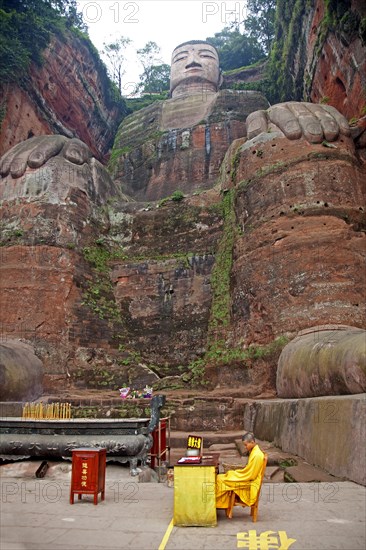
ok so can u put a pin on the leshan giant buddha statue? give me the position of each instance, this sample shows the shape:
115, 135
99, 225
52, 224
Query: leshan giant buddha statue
294, 204
181, 142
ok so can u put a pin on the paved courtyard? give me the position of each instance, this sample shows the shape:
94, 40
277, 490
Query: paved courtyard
36, 515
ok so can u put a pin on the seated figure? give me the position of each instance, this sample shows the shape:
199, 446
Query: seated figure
181, 143
245, 483
196, 101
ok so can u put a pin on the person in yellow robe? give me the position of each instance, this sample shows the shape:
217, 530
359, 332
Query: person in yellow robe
246, 482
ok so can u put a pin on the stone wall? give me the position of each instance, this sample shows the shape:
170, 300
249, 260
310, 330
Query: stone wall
328, 432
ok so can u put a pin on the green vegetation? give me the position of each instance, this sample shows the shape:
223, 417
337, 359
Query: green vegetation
111, 92
158, 80
135, 104
155, 76
196, 370
235, 165
98, 294
2, 110
238, 49
280, 84
99, 256
220, 354
10, 235
220, 279
243, 68
362, 30
114, 52
286, 463
176, 196
235, 49
218, 351
26, 29
116, 155
99, 377
287, 49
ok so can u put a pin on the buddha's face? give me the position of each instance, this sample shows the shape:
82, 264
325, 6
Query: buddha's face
194, 63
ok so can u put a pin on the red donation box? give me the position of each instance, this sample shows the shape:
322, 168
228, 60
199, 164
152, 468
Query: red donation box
88, 473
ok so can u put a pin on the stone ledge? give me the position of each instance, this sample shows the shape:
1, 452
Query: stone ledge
305, 473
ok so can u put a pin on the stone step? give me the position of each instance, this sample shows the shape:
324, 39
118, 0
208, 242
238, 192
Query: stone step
179, 439
273, 472
306, 473
282, 466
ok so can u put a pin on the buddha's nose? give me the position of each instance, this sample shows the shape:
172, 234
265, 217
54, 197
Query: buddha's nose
193, 64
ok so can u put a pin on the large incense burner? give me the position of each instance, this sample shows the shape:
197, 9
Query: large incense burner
126, 440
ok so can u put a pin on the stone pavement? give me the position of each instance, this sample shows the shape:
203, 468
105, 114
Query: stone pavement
36, 515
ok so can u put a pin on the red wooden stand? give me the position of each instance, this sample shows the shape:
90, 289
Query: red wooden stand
159, 448
88, 473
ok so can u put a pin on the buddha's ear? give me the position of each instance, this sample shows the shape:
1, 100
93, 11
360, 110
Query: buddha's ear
221, 79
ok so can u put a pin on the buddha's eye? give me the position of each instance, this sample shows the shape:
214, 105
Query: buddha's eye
180, 58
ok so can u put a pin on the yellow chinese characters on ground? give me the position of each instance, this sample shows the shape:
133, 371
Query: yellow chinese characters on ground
84, 474
267, 540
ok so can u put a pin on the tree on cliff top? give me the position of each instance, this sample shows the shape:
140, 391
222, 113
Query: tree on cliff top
159, 79
48, 10
238, 49
114, 53
235, 49
26, 27
259, 24
150, 60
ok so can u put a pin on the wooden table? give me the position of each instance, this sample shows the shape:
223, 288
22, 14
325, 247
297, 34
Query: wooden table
194, 492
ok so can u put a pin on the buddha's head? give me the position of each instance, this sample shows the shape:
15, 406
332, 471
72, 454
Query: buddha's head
194, 68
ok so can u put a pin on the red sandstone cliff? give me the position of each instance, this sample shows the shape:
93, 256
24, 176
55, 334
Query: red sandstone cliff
326, 60
68, 95
335, 66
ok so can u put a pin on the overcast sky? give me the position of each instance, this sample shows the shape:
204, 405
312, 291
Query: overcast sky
166, 22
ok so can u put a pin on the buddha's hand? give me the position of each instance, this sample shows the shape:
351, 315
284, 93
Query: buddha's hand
36, 151
295, 120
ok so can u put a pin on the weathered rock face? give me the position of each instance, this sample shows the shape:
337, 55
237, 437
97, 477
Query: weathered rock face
166, 306
159, 287
335, 66
323, 361
299, 258
165, 296
21, 372
49, 216
68, 95
72, 296
179, 143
